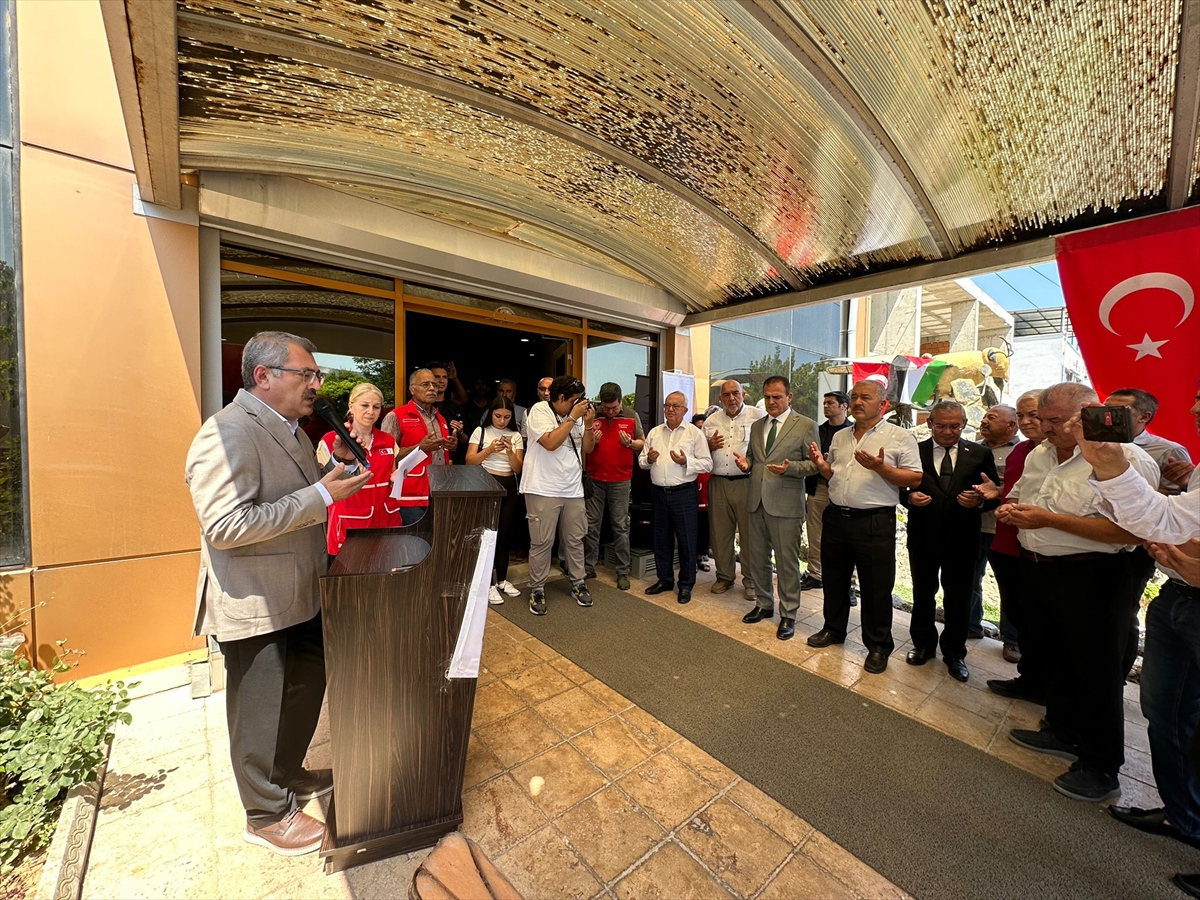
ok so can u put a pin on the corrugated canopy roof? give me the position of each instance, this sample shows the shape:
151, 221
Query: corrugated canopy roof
724, 151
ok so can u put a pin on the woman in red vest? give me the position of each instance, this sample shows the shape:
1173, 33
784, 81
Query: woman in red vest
372, 507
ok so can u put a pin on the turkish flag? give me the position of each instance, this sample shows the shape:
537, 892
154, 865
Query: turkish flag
1131, 294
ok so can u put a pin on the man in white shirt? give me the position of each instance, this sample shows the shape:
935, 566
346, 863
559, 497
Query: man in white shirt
560, 432
728, 434
1170, 685
866, 467
675, 453
779, 442
1074, 568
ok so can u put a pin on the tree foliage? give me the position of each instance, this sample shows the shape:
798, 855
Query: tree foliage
803, 379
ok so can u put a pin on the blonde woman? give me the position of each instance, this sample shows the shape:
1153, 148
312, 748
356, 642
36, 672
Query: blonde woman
371, 507
496, 445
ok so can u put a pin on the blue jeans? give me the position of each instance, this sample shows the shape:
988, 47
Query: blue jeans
1171, 701
410, 515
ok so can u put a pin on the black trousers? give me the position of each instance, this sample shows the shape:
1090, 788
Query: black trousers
868, 543
1143, 569
274, 687
1085, 607
1030, 619
504, 531
675, 516
954, 567
1007, 570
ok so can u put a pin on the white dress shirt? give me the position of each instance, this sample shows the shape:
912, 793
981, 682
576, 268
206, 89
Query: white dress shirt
351, 468
853, 484
736, 432
1161, 450
1149, 514
781, 418
1000, 454
1064, 488
939, 451
665, 472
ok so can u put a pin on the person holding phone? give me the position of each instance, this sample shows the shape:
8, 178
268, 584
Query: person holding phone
419, 426
496, 445
1075, 570
619, 438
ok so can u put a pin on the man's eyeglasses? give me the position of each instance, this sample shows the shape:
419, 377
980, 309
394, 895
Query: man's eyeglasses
425, 384
674, 406
310, 376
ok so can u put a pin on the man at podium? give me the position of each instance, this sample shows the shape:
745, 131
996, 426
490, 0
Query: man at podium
261, 500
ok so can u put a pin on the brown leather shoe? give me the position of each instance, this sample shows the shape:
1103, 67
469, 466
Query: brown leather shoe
1012, 653
293, 835
720, 586
312, 784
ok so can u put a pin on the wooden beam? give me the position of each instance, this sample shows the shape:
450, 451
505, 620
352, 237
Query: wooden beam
143, 44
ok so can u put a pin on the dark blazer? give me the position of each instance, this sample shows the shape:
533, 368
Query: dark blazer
944, 521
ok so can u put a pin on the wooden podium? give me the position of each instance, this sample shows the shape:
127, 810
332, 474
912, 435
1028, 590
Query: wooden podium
392, 606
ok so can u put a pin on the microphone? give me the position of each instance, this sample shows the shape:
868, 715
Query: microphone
325, 410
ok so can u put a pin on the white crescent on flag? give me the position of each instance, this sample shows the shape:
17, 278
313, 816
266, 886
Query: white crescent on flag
1164, 280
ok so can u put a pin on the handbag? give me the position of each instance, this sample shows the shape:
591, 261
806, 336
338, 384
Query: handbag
589, 489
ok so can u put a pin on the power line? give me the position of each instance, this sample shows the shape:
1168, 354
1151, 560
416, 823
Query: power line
1015, 291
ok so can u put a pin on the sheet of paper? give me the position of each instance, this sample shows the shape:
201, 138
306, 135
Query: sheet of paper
465, 661
404, 466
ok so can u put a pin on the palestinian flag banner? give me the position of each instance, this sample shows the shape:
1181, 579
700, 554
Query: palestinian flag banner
915, 379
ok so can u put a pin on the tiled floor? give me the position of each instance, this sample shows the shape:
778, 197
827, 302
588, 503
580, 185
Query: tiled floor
969, 712
572, 790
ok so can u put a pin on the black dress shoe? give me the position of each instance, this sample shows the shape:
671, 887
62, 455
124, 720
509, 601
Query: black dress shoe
786, 630
958, 669
758, 614
1189, 884
1153, 821
876, 662
918, 656
659, 587
1017, 689
824, 638
685, 595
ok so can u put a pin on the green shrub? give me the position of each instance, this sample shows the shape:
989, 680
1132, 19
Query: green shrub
52, 737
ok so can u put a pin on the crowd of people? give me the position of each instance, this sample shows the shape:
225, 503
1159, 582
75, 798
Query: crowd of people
1072, 530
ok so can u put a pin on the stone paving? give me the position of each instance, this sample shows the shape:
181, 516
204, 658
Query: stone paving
571, 789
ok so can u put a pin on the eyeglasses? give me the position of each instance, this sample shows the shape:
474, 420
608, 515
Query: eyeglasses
674, 406
309, 375
425, 384
942, 426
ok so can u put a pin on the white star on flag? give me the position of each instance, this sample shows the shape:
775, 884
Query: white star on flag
1146, 348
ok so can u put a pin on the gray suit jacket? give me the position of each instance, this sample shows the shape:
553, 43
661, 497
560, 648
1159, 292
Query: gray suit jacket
781, 495
262, 521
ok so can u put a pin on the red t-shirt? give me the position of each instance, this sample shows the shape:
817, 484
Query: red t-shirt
611, 461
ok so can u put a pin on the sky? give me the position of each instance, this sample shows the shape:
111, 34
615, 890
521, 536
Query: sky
1029, 287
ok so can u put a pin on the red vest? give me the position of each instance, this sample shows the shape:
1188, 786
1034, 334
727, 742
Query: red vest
611, 461
371, 507
1005, 540
411, 422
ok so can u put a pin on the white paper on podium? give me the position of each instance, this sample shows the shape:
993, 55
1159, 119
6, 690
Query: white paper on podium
465, 661
415, 457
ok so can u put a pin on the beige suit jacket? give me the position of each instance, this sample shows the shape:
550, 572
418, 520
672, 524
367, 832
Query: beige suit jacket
262, 522
780, 495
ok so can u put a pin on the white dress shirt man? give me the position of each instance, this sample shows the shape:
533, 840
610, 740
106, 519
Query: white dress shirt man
675, 453
1074, 568
866, 467
728, 434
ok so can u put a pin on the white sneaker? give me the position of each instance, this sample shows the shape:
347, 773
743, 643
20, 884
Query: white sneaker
494, 598
507, 587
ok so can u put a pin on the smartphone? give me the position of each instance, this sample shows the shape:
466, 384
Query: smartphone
1107, 423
